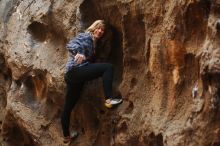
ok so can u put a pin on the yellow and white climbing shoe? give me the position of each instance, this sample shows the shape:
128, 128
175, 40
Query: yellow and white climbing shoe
109, 103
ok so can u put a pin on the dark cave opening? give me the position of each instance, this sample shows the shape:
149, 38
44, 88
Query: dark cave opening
13, 134
38, 31
214, 144
34, 87
3, 100
5, 81
196, 19
43, 32
28, 89
154, 140
135, 37
110, 47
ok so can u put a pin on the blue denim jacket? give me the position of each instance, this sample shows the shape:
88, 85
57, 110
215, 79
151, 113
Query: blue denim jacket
82, 44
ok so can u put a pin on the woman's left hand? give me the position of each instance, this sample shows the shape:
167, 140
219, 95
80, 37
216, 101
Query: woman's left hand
79, 58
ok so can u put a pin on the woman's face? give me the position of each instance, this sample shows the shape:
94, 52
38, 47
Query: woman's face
98, 32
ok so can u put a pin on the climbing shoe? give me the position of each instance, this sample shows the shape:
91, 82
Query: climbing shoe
109, 103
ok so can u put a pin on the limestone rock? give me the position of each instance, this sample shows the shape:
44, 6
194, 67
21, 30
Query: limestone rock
160, 50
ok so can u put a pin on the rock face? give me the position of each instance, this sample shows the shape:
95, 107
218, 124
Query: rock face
167, 69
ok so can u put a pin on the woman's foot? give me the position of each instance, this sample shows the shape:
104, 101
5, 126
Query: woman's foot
109, 103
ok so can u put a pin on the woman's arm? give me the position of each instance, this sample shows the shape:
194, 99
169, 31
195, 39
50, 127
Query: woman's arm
80, 43
78, 46
74, 47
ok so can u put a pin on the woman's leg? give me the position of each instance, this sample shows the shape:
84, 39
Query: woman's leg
95, 70
105, 70
107, 79
75, 80
72, 96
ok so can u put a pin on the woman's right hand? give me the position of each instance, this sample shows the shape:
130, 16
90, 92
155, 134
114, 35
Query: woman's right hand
79, 58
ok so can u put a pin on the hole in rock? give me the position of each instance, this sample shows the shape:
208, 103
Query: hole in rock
133, 82
18, 82
217, 25
40, 83
13, 134
2, 60
215, 144
154, 140
123, 127
35, 87
130, 107
135, 37
29, 89
5, 72
196, 19
116, 53
38, 31
86, 16
3, 100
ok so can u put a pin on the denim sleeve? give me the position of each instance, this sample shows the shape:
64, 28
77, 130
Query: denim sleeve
75, 47
79, 44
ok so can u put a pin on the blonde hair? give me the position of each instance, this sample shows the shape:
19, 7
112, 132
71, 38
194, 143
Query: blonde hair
96, 24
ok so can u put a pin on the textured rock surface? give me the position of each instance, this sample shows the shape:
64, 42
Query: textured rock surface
161, 50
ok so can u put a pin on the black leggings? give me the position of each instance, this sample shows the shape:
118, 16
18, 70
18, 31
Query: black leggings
75, 80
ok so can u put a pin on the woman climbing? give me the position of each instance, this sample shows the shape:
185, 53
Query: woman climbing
79, 69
